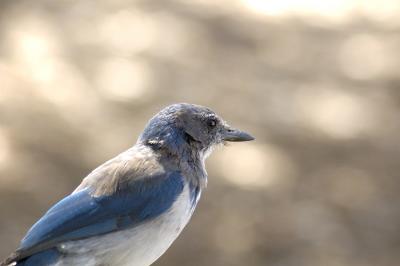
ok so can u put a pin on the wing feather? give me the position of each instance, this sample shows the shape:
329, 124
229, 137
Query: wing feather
82, 215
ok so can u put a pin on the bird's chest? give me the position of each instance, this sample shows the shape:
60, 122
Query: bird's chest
145, 243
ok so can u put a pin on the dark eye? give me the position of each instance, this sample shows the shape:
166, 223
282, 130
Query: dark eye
212, 122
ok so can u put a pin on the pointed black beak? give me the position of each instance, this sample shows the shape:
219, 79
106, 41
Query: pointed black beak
231, 134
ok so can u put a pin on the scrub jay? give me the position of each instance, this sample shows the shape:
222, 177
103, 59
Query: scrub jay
130, 209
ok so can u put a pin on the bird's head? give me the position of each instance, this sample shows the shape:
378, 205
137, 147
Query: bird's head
181, 127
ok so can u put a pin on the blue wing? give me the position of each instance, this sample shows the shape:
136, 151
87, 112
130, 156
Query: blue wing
80, 215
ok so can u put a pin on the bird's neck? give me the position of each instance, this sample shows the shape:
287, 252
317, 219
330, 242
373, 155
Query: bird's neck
180, 150
190, 162
193, 167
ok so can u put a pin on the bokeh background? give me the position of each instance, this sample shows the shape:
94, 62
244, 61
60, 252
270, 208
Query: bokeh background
317, 83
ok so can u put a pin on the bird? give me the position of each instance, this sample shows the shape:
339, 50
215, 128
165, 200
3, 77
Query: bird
129, 210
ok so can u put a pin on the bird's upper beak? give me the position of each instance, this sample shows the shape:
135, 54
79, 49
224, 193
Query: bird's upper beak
232, 134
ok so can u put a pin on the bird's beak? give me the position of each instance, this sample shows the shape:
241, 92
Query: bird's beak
232, 134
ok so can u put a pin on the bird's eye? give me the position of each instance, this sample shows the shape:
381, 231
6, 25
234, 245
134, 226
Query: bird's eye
212, 122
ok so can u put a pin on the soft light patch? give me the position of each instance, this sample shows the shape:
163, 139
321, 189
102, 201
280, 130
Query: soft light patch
363, 57
62, 84
123, 80
8, 84
252, 165
331, 11
334, 112
37, 56
128, 31
31, 41
387, 13
327, 9
5, 151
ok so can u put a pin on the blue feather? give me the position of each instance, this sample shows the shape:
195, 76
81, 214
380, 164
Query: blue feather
81, 215
44, 258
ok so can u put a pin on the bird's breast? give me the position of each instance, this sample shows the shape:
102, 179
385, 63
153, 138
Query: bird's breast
141, 245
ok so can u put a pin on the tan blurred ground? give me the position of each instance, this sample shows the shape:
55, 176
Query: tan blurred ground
317, 83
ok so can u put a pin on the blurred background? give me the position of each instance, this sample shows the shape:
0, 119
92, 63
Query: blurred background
317, 83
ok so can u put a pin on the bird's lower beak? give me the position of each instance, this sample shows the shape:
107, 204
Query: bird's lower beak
231, 134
